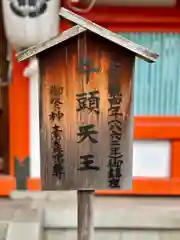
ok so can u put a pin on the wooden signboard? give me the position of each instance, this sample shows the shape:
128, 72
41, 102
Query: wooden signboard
86, 107
86, 137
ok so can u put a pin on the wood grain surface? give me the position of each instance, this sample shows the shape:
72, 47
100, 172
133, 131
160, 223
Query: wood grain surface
80, 65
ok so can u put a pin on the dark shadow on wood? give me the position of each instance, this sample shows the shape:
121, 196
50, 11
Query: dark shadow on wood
4, 101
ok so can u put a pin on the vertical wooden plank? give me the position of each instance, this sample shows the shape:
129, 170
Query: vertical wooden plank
4, 104
85, 215
3, 50
4, 131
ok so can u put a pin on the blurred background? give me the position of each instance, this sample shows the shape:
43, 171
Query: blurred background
154, 24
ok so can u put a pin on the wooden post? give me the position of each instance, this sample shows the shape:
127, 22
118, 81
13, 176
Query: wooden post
85, 214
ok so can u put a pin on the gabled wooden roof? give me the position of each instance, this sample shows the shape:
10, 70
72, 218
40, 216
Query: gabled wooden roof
141, 51
83, 25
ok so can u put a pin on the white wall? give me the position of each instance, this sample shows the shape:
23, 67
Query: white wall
151, 158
